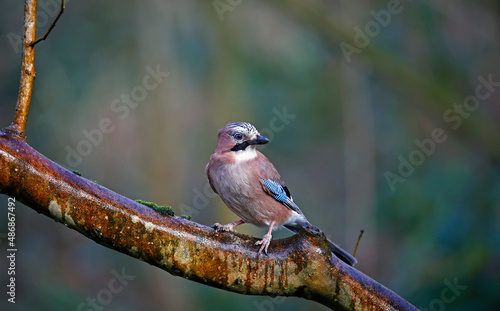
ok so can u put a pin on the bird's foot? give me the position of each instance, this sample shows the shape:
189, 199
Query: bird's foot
229, 227
266, 240
221, 228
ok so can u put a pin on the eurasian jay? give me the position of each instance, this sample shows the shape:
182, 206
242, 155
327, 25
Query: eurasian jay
250, 186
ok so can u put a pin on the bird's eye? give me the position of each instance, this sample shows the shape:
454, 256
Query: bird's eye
238, 136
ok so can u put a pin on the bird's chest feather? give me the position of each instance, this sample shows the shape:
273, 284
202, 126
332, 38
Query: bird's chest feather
234, 181
238, 183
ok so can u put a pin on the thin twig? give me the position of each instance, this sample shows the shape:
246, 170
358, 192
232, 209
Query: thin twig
28, 73
357, 243
63, 6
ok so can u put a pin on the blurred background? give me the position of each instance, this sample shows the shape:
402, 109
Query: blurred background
382, 115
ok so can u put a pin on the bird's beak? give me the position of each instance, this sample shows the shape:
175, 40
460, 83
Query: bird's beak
259, 140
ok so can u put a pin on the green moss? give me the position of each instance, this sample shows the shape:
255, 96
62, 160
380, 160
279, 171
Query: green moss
76, 172
163, 210
188, 217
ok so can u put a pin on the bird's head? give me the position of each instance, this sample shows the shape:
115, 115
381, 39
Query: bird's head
239, 137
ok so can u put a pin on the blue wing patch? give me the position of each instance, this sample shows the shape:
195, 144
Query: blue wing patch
277, 190
281, 194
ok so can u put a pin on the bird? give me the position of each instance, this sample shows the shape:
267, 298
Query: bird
249, 184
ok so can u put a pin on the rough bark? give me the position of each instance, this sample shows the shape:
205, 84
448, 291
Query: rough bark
301, 265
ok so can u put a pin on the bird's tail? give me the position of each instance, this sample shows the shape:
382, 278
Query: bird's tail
337, 251
342, 254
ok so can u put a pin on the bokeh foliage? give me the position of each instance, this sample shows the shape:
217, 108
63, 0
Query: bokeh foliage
336, 128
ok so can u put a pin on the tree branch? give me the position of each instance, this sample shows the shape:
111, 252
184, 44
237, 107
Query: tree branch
61, 11
28, 73
301, 265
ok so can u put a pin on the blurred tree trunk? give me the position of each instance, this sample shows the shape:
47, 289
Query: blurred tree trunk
301, 266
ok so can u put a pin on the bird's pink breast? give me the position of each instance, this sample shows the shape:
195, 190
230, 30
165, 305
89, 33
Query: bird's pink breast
240, 188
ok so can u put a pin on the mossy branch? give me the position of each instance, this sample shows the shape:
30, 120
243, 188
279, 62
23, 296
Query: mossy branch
301, 265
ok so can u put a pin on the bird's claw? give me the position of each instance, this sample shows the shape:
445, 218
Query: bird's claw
221, 228
266, 240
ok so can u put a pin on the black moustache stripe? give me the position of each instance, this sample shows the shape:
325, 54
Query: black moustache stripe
240, 146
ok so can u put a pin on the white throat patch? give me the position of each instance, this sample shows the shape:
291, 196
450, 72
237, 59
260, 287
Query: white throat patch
245, 155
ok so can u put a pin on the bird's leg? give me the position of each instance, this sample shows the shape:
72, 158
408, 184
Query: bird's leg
228, 227
266, 239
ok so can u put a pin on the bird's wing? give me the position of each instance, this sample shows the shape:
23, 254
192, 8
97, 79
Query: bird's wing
280, 193
273, 185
